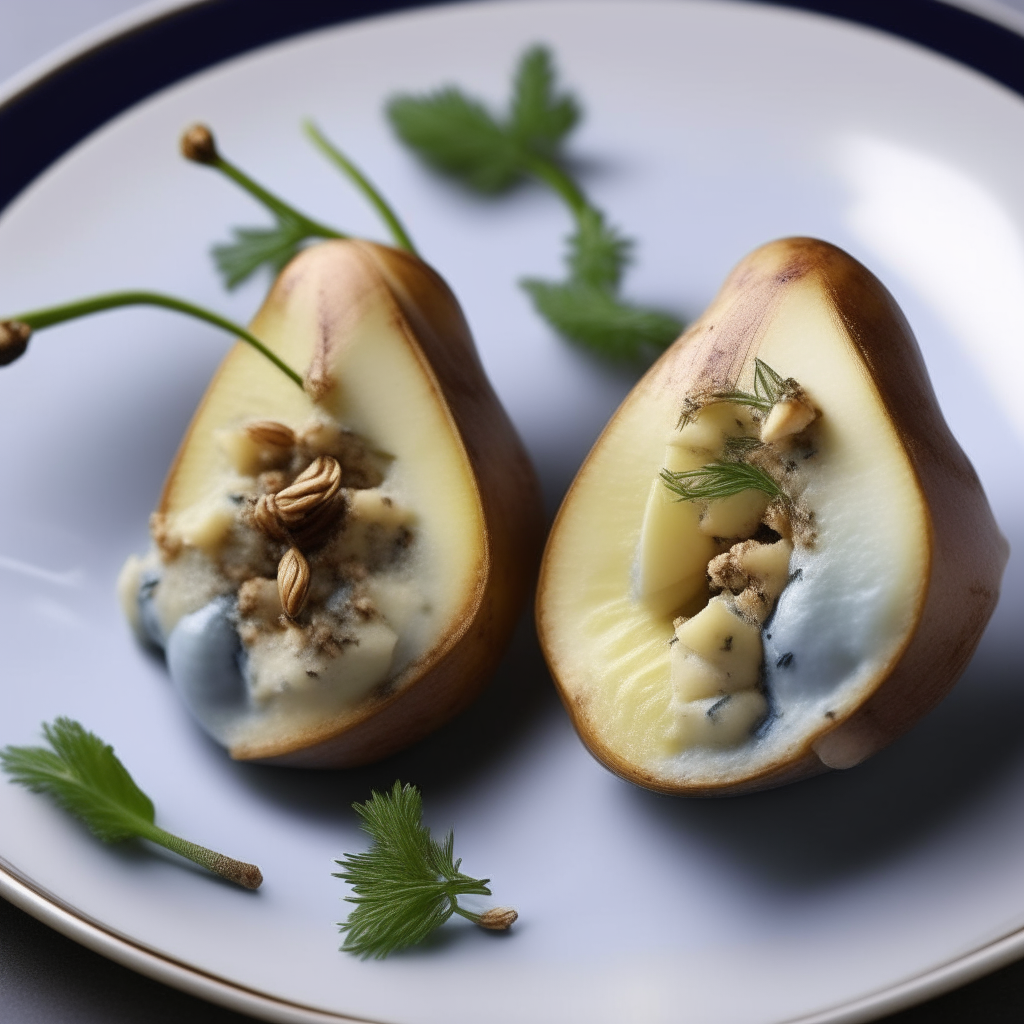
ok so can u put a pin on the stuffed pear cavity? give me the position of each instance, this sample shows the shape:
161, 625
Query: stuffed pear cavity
337, 569
776, 557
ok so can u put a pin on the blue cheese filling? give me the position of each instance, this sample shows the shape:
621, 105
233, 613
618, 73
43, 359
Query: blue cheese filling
248, 645
723, 563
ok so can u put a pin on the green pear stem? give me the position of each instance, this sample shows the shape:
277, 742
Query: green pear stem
41, 318
238, 871
349, 169
272, 202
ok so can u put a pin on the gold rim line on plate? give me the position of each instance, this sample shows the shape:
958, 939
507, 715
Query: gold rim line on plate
87, 931
84, 929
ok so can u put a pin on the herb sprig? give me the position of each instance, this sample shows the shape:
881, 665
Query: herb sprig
406, 884
458, 136
720, 479
732, 473
86, 778
770, 388
253, 248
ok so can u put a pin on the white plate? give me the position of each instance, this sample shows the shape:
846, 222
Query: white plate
711, 127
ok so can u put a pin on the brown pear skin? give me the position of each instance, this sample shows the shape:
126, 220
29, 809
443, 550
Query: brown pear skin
348, 276
965, 552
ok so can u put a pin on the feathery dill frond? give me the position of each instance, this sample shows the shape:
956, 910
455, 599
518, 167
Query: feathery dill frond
719, 480
406, 884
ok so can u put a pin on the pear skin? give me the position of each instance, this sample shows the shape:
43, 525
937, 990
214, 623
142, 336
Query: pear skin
885, 607
387, 352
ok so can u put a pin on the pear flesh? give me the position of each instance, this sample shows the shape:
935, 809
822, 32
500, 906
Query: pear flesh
855, 611
414, 569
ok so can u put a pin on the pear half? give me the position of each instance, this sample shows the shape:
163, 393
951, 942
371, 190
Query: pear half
882, 600
437, 524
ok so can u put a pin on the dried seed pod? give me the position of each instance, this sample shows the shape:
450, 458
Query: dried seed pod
293, 582
266, 518
271, 433
197, 145
316, 527
312, 489
14, 337
374, 322
306, 510
498, 919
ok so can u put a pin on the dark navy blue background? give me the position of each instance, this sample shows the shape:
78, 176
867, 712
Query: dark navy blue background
55, 113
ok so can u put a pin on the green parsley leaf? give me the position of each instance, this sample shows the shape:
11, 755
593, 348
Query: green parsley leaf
597, 320
598, 253
406, 884
458, 136
254, 248
85, 777
539, 119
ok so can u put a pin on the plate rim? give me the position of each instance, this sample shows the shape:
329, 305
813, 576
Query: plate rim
962, 30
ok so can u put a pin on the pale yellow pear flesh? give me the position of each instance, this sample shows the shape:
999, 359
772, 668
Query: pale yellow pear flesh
388, 356
881, 612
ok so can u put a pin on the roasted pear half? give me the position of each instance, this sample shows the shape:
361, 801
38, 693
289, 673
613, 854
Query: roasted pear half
776, 558
337, 568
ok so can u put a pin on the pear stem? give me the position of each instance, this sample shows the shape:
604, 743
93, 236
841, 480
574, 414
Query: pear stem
349, 169
276, 206
41, 318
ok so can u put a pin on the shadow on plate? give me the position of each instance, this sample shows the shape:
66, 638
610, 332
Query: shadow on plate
518, 696
844, 823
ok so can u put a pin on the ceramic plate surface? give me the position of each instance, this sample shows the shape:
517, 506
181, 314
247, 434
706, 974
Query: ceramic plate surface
711, 128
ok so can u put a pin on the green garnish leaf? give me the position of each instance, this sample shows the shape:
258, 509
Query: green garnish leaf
406, 884
769, 389
738, 448
597, 320
719, 480
598, 254
84, 776
457, 135
254, 248
540, 118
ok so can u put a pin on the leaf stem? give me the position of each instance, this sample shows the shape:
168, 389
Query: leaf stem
552, 175
247, 875
276, 206
42, 318
349, 169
